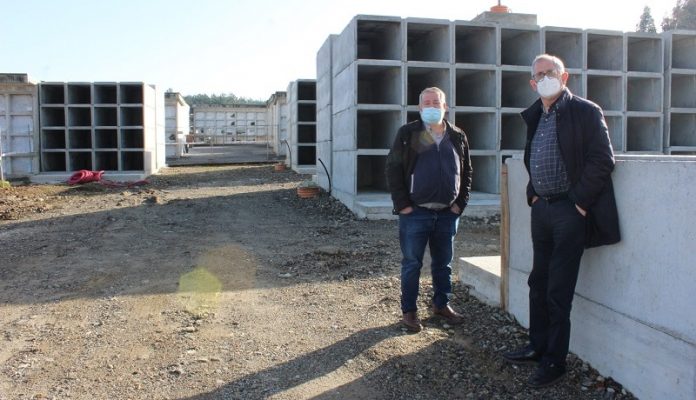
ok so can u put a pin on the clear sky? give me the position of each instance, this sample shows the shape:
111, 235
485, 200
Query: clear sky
251, 48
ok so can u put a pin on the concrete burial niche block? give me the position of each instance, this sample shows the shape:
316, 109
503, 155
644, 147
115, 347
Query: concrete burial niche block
377, 129
80, 138
379, 84
485, 177
644, 93
682, 88
428, 40
606, 90
79, 93
52, 93
370, 173
52, 116
475, 43
519, 46
306, 133
682, 46
106, 138
515, 90
306, 154
481, 129
605, 50
644, 52
615, 124
475, 87
644, 134
130, 93
106, 160
682, 129
421, 77
105, 93
306, 90
566, 44
53, 161
379, 39
513, 132
105, 116
79, 116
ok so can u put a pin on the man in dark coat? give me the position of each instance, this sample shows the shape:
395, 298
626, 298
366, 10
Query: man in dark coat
569, 159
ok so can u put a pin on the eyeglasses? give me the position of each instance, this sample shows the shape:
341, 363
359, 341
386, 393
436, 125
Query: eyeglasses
552, 73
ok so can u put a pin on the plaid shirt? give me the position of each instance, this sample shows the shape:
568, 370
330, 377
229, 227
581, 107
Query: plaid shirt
547, 168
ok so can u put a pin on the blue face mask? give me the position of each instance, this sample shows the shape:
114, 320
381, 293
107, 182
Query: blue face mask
432, 115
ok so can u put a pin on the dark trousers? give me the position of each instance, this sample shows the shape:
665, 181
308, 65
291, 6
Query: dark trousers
558, 237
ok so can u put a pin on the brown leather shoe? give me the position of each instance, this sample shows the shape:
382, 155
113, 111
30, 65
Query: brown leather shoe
411, 322
449, 315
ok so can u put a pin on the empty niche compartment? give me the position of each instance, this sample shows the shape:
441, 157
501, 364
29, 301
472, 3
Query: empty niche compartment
420, 78
52, 93
485, 178
379, 40
306, 90
376, 129
682, 91
80, 160
106, 138
606, 91
644, 94
566, 45
515, 91
644, 134
605, 51
306, 133
52, 116
132, 139
79, 93
682, 129
105, 116
53, 139
306, 155
306, 112
80, 138
131, 93
427, 42
106, 160
475, 88
513, 132
371, 176
644, 54
475, 45
131, 116
105, 93
615, 125
519, 46
683, 49
480, 129
132, 161
53, 161
79, 116
379, 84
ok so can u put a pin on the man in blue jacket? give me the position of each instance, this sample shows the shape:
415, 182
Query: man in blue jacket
429, 177
569, 159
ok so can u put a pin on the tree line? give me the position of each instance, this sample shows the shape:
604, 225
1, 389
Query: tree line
223, 99
683, 17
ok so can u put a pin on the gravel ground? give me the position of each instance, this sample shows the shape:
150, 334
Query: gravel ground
220, 283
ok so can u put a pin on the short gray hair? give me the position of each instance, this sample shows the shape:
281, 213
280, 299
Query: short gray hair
557, 63
433, 89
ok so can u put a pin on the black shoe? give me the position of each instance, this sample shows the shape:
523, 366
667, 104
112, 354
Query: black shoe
526, 355
546, 375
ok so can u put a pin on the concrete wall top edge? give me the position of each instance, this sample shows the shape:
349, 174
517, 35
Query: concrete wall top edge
552, 28
644, 35
520, 27
427, 64
475, 24
429, 21
385, 18
679, 32
481, 67
379, 63
606, 32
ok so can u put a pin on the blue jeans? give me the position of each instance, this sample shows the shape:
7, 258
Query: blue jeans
416, 230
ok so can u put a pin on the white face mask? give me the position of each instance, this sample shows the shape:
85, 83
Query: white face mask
548, 87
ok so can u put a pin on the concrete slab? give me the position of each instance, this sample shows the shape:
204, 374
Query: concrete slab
241, 153
483, 275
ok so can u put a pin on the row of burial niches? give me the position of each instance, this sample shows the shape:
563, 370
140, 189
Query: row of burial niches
88, 116
91, 93
74, 160
476, 43
491, 88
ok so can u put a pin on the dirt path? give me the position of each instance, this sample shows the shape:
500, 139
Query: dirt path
219, 283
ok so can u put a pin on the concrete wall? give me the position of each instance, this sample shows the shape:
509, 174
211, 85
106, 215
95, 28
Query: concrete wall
19, 125
230, 123
302, 125
633, 317
277, 120
176, 124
